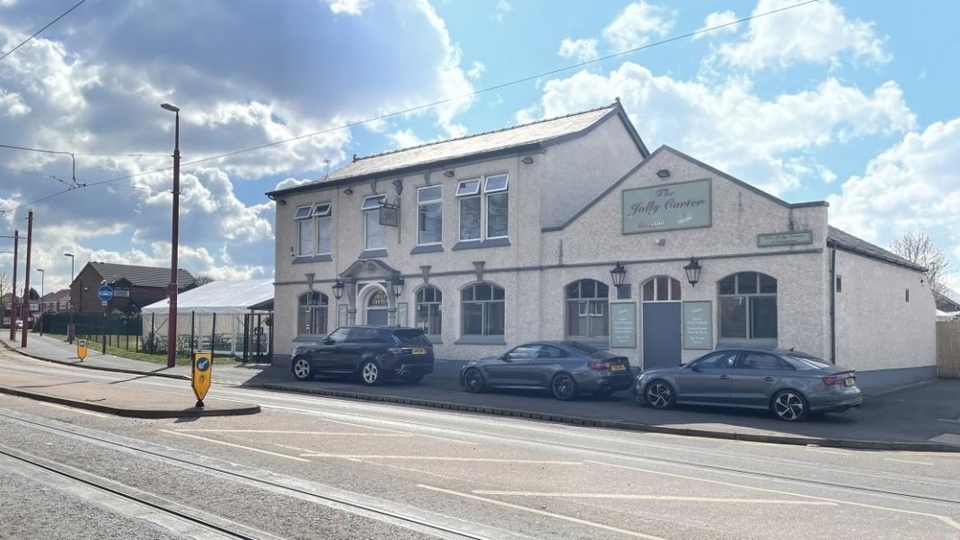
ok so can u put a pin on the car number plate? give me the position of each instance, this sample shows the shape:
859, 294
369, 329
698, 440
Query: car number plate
850, 381
617, 367
419, 351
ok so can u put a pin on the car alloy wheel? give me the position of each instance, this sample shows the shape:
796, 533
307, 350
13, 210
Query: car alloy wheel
790, 406
370, 373
473, 381
564, 387
659, 395
301, 369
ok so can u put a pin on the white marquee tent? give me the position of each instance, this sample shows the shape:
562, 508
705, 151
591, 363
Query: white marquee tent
216, 314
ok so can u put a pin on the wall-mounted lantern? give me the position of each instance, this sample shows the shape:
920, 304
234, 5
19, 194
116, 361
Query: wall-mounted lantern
693, 271
337, 289
618, 274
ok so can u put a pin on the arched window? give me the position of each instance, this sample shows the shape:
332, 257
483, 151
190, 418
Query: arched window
429, 300
587, 314
312, 314
661, 289
483, 310
748, 308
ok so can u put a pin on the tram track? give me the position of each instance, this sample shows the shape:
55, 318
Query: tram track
201, 519
765, 475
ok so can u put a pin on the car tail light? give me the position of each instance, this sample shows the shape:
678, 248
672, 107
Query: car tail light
833, 379
395, 350
598, 365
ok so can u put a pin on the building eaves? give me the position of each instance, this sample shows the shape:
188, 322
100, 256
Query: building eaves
436, 156
847, 242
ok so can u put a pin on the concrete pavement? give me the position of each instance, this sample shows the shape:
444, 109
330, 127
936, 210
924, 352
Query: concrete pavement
920, 418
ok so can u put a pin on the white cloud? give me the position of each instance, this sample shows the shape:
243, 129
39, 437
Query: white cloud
729, 126
914, 185
476, 70
815, 33
348, 7
720, 21
503, 7
634, 25
583, 50
405, 138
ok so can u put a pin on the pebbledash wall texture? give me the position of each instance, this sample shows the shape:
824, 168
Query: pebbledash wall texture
582, 195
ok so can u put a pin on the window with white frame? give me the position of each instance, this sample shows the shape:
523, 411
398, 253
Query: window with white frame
375, 234
587, 314
483, 310
313, 229
483, 207
429, 215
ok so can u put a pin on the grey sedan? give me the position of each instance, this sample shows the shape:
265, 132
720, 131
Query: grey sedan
789, 383
565, 368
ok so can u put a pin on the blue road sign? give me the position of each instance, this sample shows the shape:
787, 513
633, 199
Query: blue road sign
105, 292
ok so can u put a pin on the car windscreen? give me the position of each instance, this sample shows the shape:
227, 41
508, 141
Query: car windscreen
412, 338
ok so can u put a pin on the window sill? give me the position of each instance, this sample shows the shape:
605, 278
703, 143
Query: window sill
303, 259
480, 340
432, 248
480, 244
435, 339
372, 254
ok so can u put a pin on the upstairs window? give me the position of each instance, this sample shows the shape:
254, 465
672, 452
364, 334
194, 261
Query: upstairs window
375, 234
484, 212
313, 229
429, 215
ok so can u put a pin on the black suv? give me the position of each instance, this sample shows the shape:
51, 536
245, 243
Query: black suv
374, 353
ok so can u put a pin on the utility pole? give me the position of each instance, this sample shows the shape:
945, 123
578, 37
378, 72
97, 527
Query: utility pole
26, 283
13, 291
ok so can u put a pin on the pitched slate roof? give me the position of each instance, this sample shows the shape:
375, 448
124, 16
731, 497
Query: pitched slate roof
847, 242
530, 136
141, 276
63, 295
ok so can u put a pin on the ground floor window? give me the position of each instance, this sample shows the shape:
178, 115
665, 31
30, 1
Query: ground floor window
429, 300
312, 309
587, 309
748, 307
482, 310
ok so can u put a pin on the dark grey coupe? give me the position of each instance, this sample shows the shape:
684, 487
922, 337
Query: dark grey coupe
789, 383
565, 368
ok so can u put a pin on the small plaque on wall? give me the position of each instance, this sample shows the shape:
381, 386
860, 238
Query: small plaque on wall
402, 314
623, 325
341, 314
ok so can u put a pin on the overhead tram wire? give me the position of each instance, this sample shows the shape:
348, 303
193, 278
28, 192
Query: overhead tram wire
442, 101
37, 33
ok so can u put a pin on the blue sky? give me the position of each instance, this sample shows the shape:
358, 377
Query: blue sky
852, 102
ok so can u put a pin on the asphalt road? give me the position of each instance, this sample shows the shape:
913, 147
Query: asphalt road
485, 476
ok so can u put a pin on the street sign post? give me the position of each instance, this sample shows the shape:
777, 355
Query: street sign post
81, 349
202, 375
105, 292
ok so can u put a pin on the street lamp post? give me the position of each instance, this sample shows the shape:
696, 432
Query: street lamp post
172, 287
42, 273
71, 329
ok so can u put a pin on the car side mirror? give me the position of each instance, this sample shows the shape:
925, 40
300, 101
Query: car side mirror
506, 358
328, 341
695, 368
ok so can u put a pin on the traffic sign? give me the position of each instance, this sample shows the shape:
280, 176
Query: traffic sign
202, 375
105, 292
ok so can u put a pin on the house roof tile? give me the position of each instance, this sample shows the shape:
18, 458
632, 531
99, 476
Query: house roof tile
141, 276
848, 242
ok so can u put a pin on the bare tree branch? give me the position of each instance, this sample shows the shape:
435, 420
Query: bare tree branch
918, 247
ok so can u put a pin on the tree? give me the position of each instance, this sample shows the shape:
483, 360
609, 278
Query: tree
203, 279
917, 247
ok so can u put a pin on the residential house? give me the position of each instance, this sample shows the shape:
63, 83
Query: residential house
568, 228
133, 286
56, 301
